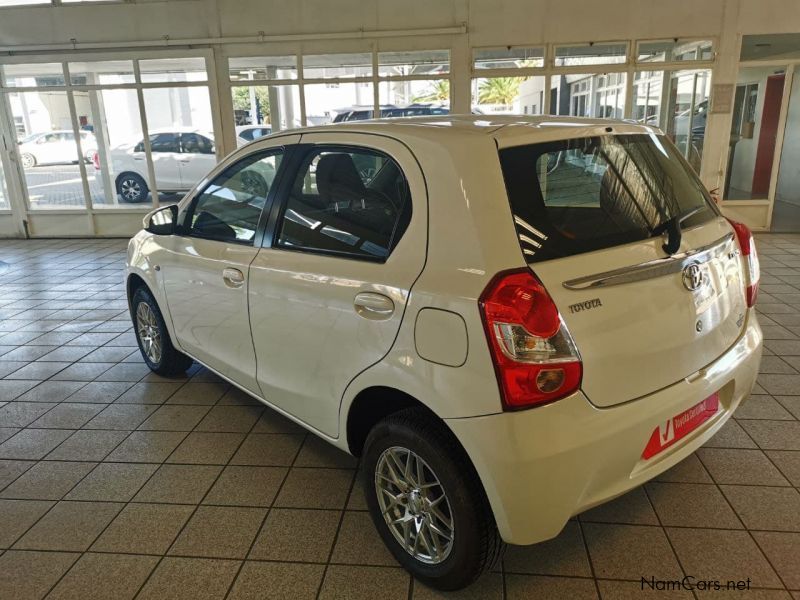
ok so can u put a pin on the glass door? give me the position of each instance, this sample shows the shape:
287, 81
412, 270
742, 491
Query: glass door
4, 202
754, 132
786, 206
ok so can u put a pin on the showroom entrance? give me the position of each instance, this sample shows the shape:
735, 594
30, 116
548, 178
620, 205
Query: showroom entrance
119, 134
764, 152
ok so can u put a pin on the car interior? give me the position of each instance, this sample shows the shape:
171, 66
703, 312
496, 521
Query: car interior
351, 203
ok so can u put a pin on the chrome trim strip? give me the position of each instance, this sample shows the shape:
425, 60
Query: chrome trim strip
651, 269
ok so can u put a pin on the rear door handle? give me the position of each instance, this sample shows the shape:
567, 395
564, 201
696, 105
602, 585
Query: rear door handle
373, 306
233, 278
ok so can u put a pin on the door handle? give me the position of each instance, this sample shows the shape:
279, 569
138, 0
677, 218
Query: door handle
233, 278
375, 307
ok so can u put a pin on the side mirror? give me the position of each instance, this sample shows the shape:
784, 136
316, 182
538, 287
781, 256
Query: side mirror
162, 221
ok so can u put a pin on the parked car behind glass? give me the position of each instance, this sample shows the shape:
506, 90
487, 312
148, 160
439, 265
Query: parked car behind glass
181, 157
247, 133
55, 147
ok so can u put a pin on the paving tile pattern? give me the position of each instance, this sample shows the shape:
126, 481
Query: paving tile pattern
116, 483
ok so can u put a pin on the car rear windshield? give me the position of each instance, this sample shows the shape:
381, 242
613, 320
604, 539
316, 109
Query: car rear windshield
585, 194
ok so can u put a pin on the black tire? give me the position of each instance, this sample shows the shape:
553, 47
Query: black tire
169, 361
132, 187
476, 545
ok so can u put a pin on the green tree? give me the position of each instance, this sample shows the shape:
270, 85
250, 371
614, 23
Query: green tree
438, 91
241, 100
499, 90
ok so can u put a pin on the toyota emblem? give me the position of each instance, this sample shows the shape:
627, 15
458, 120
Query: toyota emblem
693, 277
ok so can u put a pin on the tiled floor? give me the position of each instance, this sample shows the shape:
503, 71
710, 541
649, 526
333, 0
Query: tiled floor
115, 483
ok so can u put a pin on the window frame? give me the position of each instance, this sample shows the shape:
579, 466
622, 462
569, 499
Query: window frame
183, 224
293, 168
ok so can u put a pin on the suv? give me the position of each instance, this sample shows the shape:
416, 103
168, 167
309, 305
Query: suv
510, 320
181, 157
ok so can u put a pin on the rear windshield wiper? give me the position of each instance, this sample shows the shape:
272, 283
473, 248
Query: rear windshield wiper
673, 229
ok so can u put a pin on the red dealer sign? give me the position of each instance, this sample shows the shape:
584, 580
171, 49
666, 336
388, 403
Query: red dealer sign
681, 425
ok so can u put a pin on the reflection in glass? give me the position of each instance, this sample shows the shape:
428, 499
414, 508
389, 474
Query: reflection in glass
244, 68
109, 72
424, 62
4, 203
508, 95
687, 112
675, 50
600, 95
165, 70
786, 211
647, 96
339, 101
181, 138
414, 98
590, 54
48, 151
259, 110
327, 66
33, 75
508, 58
112, 115
757, 105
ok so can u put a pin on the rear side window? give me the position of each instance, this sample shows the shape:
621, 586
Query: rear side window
352, 202
574, 196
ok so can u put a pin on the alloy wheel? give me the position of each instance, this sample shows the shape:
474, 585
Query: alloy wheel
130, 189
149, 332
414, 505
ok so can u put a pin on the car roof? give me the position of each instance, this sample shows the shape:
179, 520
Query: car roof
504, 128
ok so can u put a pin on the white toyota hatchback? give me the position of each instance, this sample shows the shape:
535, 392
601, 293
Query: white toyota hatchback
510, 320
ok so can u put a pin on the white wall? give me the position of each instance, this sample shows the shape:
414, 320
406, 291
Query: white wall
489, 21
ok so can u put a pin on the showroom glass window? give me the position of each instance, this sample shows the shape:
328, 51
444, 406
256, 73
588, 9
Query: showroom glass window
508, 81
229, 208
349, 202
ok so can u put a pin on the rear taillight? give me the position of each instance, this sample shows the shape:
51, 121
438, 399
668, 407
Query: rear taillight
96, 160
534, 356
748, 247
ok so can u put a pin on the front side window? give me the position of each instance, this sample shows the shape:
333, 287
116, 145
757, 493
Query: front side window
586, 194
230, 206
352, 202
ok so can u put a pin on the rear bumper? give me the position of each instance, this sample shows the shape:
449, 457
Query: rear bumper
542, 466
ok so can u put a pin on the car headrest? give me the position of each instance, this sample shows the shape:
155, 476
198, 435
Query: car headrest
338, 179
